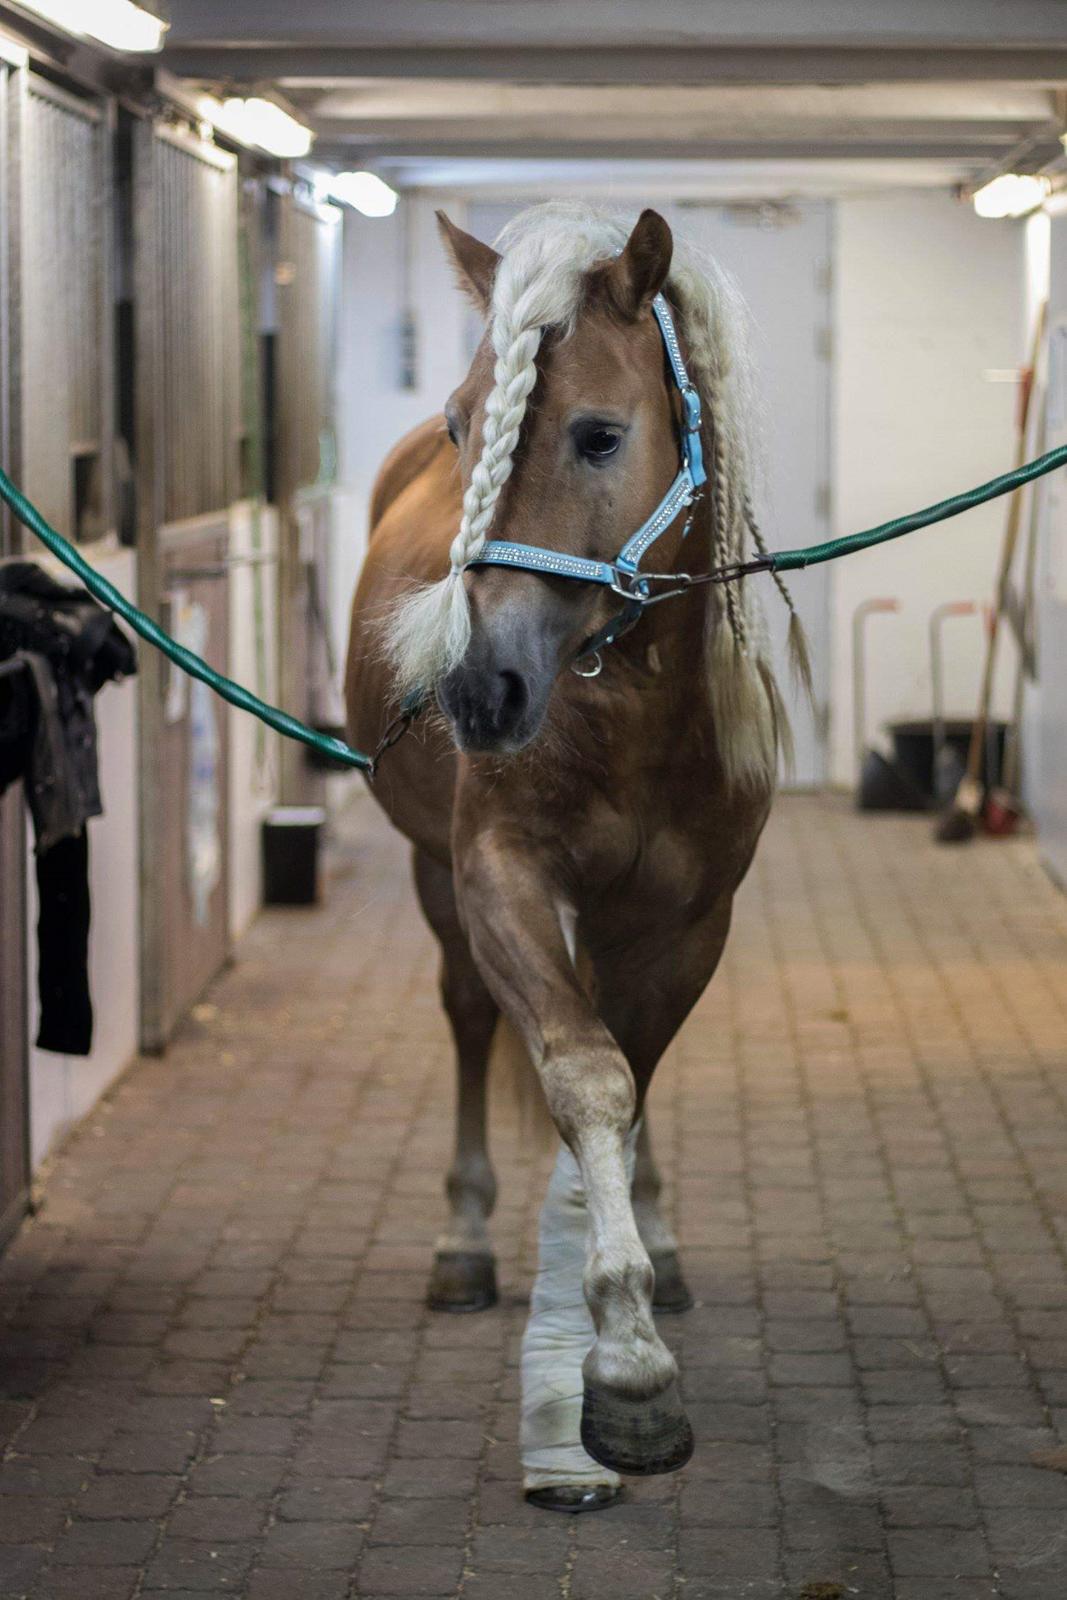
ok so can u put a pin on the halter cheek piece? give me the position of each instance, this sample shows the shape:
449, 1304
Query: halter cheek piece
623, 576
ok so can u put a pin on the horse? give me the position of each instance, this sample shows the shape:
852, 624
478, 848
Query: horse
578, 835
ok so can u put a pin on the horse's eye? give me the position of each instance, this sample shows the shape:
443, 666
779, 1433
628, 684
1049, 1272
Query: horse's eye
596, 442
453, 422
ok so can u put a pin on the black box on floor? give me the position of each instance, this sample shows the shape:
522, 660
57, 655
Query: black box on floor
291, 855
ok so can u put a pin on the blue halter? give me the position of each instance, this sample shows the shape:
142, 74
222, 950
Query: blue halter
623, 576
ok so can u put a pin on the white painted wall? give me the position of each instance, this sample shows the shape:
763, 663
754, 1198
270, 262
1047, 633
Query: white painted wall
253, 748
375, 410
929, 311
64, 1088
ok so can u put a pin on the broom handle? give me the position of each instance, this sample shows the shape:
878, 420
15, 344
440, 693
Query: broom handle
1010, 777
976, 748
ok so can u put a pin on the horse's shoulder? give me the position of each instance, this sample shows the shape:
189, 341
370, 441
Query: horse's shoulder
412, 456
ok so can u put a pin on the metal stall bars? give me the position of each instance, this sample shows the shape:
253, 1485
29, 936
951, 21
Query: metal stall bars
67, 408
55, 211
185, 199
14, 1055
307, 274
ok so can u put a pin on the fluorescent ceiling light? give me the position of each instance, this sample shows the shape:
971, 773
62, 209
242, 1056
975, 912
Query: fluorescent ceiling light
364, 190
1013, 194
260, 123
118, 23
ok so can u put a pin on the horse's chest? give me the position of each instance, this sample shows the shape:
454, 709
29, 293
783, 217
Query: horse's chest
640, 854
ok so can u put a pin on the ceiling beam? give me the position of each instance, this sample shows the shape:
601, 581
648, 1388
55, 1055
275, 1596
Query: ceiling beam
430, 132
548, 149
625, 65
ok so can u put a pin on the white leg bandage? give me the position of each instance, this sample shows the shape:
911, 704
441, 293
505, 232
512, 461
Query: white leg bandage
559, 1335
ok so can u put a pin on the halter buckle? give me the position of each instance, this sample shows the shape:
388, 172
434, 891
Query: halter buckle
691, 409
636, 586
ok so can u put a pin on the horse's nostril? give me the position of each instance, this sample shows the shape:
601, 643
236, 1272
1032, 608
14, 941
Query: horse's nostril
513, 700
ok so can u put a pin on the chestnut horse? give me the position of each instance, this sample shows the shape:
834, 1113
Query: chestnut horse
578, 839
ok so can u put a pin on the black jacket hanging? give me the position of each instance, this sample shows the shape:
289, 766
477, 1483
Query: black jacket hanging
58, 647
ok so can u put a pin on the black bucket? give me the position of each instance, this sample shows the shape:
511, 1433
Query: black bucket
885, 786
291, 855
914, 746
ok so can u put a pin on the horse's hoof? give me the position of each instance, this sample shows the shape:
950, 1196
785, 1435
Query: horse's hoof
462, 1281
575, 1498
671, 1293
636, 1437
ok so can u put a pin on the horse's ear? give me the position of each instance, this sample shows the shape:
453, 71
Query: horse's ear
637, 275
475, 262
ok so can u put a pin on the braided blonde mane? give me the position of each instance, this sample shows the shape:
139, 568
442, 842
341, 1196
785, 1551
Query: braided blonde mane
546, 252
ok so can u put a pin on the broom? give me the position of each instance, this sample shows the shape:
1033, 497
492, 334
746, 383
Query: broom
958, 823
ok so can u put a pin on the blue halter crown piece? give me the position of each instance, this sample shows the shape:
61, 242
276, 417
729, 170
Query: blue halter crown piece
623, 574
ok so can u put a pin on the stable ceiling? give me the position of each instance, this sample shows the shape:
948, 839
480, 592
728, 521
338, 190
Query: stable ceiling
703, 96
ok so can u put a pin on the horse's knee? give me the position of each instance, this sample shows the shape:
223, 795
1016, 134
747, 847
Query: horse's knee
590, 1093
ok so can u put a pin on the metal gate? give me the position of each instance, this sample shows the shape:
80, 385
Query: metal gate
307, 277
186, 442
66, 361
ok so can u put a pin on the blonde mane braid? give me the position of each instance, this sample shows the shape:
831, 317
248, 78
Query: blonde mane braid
431, 629
538, 286
514, 376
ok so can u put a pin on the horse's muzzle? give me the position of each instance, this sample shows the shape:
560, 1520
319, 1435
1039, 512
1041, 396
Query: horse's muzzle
490, 710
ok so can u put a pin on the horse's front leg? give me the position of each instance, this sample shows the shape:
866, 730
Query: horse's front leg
631, 1416
464, 1271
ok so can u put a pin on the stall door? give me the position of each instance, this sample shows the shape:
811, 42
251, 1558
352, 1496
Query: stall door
66, 406
186, 447
14, 1110
14, 1100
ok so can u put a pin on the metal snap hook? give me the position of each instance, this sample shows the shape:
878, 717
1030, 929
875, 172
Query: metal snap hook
593, 670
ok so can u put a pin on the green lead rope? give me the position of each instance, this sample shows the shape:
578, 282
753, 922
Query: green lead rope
336, 749
791, 560
109, 596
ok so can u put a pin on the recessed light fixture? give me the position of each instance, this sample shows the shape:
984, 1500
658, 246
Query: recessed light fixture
365, 191
118, 23
1013, 194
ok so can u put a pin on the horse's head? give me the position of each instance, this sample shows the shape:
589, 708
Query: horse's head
576, 467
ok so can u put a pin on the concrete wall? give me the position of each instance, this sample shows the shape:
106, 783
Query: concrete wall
928, 325
64, 1088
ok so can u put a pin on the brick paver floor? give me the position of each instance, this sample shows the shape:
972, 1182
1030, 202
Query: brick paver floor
218, 1375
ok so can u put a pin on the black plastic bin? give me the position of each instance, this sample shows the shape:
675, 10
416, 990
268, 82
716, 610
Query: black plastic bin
291, 855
